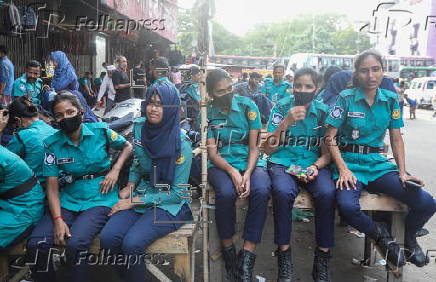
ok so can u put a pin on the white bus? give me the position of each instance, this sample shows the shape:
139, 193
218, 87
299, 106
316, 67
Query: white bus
320, 62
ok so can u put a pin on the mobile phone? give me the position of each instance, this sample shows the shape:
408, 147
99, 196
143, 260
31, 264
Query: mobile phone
413, 184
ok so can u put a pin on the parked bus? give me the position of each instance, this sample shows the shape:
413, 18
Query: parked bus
320, 62
408, 73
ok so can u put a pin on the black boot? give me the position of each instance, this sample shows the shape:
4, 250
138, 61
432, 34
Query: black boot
388, 248
320, 271
286, 269
414, 253
230, 262
246, 260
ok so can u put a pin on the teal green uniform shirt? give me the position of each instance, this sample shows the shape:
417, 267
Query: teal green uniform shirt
164, 79
22, 87
303, 140
28, 144
89, 157
275, 92
232, 130
140, 171
194, 92
19, 213
361, 124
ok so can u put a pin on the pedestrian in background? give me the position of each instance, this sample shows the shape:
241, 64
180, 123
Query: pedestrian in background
107, 88
121, 80
6, 76
412, 106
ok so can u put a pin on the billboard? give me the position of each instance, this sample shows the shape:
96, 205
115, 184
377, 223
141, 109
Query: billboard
405, 28
143, 11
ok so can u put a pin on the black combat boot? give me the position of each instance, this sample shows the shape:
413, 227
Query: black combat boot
414, 253
246, 260
230, 262
286, 269
388, 248
320, 271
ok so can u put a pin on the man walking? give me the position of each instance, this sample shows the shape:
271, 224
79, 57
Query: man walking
121, 81
6, 77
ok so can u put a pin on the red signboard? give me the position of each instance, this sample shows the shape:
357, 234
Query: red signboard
163, 13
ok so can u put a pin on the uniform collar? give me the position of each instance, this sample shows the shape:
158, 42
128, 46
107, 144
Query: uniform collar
312, 107
360, 95
24, 79
85, 132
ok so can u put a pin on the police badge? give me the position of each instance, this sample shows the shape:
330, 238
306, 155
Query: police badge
276, 119
355, 134
336, 113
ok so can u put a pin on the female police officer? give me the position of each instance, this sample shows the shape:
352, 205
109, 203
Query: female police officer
235, 170
362, 115
21, 196
28, 140
162, 157
80, 209
301, 118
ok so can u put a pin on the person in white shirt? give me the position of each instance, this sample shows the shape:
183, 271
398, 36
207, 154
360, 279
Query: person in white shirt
108, 86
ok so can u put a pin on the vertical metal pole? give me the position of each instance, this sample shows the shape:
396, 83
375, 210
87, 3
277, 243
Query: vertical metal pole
203, 44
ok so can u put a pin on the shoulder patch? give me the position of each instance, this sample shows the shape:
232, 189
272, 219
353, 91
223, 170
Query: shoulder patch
396, 114
251, 115
180, 160
114, 135
336, 113
49, 159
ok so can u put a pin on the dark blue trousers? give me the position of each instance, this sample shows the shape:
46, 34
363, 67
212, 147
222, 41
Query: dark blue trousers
421, 204
84, 226
129, 233
225, 197
285, 190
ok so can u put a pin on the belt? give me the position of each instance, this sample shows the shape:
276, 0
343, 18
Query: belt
361, 149
20, 189
90, 176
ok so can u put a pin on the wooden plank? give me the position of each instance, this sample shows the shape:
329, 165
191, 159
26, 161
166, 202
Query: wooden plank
397, 231
182, 266
368, 201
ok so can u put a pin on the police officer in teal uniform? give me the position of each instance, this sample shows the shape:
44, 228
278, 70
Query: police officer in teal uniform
21, 196
80, 209
298, 120
153, 211
276, 88
29, 84
193, 101
235, 171
361, 116
28, 140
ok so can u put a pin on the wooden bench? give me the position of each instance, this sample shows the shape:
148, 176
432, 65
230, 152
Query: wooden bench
368, 202
180, 243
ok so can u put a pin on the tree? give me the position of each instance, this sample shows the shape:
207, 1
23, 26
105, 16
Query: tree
333, 34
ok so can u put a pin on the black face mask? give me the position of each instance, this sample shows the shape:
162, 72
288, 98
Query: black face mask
223, 101
303, 98
69, 125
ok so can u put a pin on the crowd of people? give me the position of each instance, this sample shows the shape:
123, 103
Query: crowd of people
324, 134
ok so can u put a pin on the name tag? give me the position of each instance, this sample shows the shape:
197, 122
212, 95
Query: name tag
65, 161
356, 114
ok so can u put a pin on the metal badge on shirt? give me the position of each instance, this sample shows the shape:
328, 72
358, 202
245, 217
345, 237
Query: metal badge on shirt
355, 134
65, 161
356, 114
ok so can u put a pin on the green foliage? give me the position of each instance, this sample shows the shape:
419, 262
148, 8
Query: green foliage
334, 34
